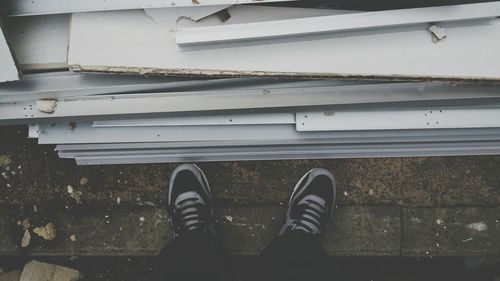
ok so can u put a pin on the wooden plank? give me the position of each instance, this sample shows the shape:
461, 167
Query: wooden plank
451, 231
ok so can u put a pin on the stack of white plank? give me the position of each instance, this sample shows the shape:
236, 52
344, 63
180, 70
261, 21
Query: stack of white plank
150, 81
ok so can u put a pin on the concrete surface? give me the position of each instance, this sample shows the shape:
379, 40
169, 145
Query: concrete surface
385, 206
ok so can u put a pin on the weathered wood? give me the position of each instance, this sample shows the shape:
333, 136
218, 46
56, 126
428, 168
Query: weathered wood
451, 231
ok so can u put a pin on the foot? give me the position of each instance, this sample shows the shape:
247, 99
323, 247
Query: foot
311, 204
189, 201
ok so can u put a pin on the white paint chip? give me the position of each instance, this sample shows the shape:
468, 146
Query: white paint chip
477, 226
438, 32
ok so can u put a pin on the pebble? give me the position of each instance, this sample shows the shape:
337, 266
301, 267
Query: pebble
84, 181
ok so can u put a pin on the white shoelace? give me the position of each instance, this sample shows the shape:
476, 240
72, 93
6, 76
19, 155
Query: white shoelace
188, 206
310, 219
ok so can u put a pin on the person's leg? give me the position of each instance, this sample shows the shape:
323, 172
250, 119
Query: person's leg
296, 253
194, 253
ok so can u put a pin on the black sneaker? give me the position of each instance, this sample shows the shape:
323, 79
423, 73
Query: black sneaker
189, 201
311, 204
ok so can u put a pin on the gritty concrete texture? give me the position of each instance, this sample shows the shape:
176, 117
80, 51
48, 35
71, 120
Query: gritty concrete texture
118, 210
244, 230
451, 231
10, 276
39, 271
364, 231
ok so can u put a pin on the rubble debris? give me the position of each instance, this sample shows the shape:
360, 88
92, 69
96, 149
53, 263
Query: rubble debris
72, 238
26, 224
5, 161
84, 181
25, 242
477, 226
438, 33
75, 194
47, 232
10, 276
46, 106
39, 271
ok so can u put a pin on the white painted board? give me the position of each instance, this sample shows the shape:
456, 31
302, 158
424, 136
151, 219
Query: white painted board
431, 118
8, 68
48, 7
336, 23
40, 43
130, 41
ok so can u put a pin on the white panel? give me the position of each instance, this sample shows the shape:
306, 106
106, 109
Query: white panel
337, 23
29, 7
131, 42
209, 120
8, 69
40, 42
434, 118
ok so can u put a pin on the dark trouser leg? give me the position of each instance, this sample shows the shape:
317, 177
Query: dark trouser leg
194, 256
296, 255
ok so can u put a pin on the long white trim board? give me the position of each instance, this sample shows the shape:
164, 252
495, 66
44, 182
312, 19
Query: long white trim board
50, 7
336, 23
130, 41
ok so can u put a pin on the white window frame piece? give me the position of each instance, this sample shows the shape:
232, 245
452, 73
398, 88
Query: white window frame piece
337, 23
247, 100
82, 132
333, 151
398, 119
